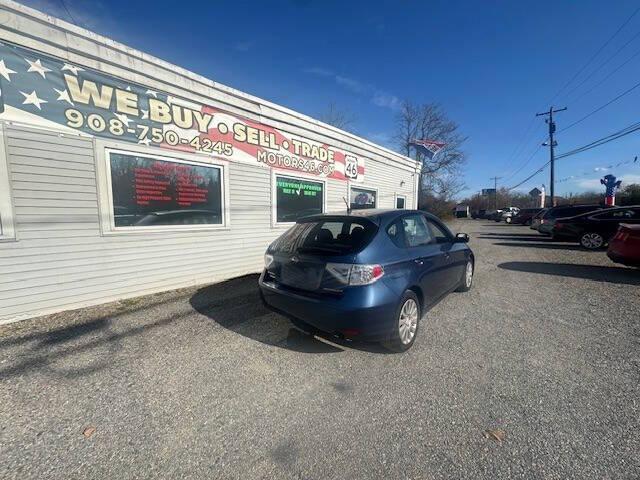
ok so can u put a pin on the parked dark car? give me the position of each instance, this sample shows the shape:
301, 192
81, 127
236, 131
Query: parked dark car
478, 214
624, 247
525, 216
367, 274
537, 219
549, 218
594, 229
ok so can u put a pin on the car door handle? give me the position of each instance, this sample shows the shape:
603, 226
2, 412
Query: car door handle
418, 261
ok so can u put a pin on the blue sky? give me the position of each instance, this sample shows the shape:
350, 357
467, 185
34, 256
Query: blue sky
490, 64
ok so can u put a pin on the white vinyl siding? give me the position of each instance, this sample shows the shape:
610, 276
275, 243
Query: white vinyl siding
58, 254
62, 260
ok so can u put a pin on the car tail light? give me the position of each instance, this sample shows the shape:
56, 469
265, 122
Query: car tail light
350, 274
558, 225
622, 236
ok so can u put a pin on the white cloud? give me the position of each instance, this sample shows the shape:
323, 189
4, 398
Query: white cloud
376, 96
385, 100
594, 183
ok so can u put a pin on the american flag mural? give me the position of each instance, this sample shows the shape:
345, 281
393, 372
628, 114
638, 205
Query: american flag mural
39, 89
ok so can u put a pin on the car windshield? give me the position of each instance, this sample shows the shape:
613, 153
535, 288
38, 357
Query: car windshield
335, 236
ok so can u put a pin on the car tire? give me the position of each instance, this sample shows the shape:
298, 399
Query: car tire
467, 277
408, 314
592, 241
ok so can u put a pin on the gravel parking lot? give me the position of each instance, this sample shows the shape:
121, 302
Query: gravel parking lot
204, 383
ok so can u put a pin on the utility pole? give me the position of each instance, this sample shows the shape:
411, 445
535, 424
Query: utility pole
552, 144
495, 191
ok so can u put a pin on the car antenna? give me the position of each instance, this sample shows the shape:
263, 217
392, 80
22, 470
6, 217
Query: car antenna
348, 206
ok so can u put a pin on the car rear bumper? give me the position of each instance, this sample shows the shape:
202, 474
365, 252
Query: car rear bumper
366, 313
623, 259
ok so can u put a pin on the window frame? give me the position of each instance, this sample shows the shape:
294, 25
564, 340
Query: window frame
442, 227
274, 194
105, 190
404, 234
397, 196
7, 211
364, 187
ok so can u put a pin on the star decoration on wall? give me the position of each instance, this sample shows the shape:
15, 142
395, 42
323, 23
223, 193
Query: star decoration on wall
145, 113
123, 118
72, 68
37, 67
63, 96
153, 93
32, 99
145, 141
5, 71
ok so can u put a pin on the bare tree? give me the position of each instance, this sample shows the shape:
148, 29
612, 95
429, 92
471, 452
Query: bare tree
441, 173
337, 117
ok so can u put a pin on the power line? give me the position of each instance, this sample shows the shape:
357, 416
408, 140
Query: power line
533, 154
598, 68
66, 9
593, 57
601, 141
593, 87
596, 143
532, 175
601, 107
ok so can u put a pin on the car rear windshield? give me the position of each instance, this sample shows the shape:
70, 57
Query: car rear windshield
332, 236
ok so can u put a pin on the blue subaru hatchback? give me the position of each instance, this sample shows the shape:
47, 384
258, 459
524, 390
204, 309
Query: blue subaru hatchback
367, 274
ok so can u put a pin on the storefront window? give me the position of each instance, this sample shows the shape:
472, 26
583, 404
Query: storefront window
363, 198
150, 191
296, 198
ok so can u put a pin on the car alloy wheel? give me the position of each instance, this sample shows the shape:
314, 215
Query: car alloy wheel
468, 275
508, 219
592, 241
408, 321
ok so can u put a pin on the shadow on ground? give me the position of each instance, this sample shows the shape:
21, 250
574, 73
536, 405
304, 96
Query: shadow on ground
548, 245
619, 275
243, 313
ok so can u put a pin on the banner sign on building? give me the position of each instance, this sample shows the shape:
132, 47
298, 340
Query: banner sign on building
40, 89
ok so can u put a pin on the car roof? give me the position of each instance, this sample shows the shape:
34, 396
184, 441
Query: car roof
581, 205
376, 215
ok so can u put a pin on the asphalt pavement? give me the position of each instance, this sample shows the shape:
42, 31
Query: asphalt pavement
532, 374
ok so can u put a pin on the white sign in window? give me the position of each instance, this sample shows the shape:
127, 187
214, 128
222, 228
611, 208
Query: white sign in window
362, 198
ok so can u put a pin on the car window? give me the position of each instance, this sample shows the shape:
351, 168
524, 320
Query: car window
395, 234
338, 237
626, 214
416, 231
438, 233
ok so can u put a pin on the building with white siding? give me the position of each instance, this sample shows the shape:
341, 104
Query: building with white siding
123, 175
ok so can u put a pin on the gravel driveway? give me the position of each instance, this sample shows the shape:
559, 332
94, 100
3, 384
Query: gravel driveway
205, 383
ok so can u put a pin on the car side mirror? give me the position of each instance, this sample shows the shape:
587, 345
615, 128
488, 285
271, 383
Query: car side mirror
462, 238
